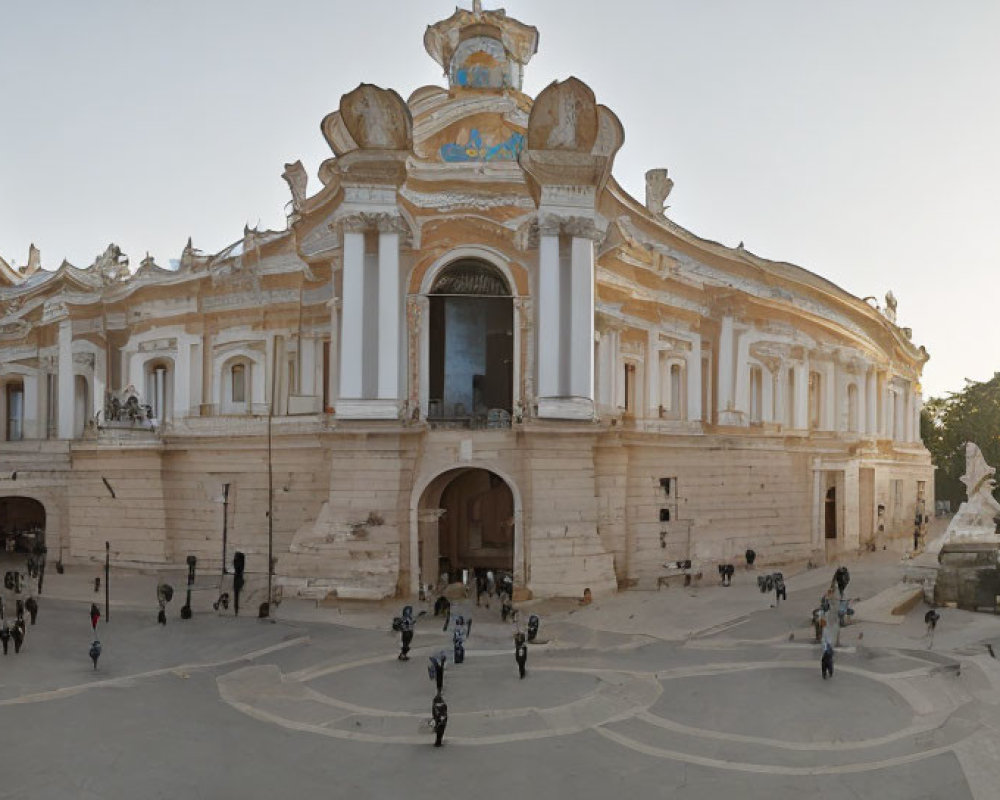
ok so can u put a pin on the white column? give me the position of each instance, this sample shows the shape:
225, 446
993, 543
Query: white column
30, 420
160, 393
307, 365
547, 312
182, 380
605, 374
66, 399
800, 372
334, 376
780, 381
871, 404
388, 316
741, 392
352, 322
581, 344
656, 394
829, 402
694, 379
725, 367
767, 394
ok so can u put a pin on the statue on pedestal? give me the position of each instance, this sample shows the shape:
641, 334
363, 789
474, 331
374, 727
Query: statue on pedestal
975, 520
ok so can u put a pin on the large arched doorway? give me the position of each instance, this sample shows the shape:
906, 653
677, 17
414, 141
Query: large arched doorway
471, 345
22, 525
467, 520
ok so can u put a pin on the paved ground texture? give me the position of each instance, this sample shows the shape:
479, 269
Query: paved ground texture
697, 692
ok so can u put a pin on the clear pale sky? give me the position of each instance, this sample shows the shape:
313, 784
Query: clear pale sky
859, 139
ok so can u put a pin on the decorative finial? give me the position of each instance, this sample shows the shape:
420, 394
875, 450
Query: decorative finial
477, 7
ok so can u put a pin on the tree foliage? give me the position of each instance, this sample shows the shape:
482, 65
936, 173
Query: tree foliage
947, 423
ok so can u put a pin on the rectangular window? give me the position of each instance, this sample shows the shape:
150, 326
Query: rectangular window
15, 411
239, 383
756, 394
630, 389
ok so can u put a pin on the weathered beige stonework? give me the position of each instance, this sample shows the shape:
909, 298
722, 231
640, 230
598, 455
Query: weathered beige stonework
468, 288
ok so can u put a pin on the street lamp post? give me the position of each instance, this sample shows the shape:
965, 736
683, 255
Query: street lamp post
107, 581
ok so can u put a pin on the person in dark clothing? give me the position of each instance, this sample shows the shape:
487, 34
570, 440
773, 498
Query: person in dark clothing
780, 593
439, 713
481, 588
505, 607
19, 609
17, 634
520, 653
5, 636
826, 661
95, 652
458, 639
436, 669
841, 578
406, 634
31, 604
95, 614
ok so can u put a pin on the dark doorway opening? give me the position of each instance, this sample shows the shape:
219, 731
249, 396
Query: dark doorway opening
475, 528
22, 525
831, 513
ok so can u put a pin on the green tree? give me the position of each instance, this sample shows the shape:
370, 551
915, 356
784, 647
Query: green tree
947, 423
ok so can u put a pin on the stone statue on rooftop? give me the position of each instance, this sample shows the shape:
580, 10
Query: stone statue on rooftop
658, 187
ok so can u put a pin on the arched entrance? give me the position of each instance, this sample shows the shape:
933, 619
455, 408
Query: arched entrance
22, 525
467, 519
470, 344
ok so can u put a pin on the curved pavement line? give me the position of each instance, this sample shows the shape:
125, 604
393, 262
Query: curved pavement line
231, 696
126, 680
860, 744
769, 769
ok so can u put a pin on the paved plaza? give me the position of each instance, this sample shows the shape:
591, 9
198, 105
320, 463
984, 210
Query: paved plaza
697, 692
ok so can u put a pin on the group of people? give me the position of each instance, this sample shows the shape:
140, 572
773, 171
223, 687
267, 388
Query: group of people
15, 633
486, 584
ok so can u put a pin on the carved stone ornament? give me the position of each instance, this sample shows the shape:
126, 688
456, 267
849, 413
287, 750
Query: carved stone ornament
580, 227
376, 118
112, 265
890, 307
54, 310
658, 187
297, 178
84, 360
564, 117
383, 222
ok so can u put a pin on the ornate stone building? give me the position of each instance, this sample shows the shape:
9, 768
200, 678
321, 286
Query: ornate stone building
469, 347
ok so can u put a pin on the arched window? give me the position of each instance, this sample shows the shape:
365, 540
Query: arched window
159, 388
237, 386
471, 330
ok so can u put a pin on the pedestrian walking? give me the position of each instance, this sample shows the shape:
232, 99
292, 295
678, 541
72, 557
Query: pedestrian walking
841, 578
95, 615
505, 607
95, 652
481, 588
826, 660
435, 670
19, 609
491, 584
439, 713
17, 634
458, 640
406, 633
931, 618
4, 636
31, 604
520, 653
780, 593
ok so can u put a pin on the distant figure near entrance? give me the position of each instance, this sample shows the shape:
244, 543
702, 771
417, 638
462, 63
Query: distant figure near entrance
826, 661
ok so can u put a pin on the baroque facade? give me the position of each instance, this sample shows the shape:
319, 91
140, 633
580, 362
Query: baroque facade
470, 347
